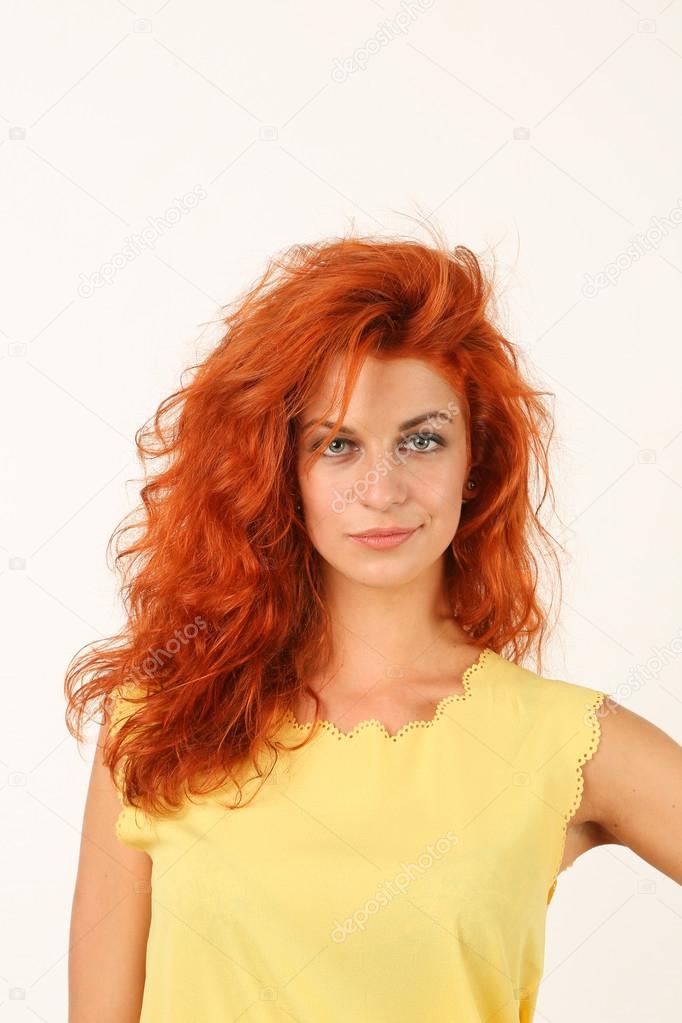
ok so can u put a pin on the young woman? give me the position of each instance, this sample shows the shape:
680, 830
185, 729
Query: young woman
326, 788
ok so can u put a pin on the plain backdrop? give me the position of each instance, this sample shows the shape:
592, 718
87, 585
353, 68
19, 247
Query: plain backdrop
152, 156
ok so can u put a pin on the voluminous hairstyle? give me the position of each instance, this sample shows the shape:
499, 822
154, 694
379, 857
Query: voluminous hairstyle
220, 582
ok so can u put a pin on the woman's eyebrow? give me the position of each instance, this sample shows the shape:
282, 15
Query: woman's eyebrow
407, 425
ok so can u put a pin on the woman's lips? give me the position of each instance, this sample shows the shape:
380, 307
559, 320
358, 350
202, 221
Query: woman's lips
380, 542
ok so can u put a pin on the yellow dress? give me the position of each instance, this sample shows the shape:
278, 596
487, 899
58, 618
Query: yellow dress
375, 878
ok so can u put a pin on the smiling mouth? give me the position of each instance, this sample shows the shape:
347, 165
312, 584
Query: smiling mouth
383, 539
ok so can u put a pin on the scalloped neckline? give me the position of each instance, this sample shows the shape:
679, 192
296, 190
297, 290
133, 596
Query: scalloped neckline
374, 724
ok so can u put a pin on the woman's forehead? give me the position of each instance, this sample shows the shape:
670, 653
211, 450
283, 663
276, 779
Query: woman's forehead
389, 389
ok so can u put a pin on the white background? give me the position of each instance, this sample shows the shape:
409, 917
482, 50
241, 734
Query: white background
548, 131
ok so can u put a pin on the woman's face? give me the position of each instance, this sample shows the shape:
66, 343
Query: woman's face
399, 461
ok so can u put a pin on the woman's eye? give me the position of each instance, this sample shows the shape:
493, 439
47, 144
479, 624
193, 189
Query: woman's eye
438, 441
427, 437
337, 440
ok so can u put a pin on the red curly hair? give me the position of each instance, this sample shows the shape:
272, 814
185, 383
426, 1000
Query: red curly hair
220, 582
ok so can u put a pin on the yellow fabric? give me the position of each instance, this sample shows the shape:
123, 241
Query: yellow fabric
375, 878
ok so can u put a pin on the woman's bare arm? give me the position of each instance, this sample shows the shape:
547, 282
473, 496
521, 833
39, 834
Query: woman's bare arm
110, 914
633, 788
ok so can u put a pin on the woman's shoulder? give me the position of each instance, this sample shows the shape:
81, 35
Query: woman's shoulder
540, 718
544, 691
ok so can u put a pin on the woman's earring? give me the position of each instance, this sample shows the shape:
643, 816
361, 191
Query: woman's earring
470, 485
